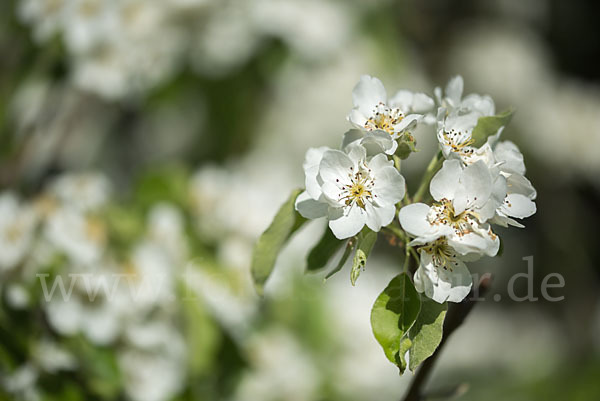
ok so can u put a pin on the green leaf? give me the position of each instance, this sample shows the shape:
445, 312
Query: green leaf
343, 259
99, 367
202, 336
393, 314
426, 333
366, 240
270, 243
324, 250
487, 126
166, 184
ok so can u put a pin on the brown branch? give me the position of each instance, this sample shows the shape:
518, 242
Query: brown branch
454, 319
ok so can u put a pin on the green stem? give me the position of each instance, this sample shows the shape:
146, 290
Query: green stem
432, 168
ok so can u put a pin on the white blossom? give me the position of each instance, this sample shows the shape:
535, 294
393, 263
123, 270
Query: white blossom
350, 189
442, 274
374, 111
464, 200
452, 100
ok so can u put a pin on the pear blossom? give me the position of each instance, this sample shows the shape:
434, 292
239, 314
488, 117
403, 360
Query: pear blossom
374, 111
452, 100
519, 201
350, 189
454, 134
458, 116
442, 274
464, 200
504, 159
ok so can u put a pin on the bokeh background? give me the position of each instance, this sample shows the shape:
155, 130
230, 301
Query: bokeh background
157, 138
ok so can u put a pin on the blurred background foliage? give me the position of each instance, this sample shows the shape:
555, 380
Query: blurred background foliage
156, 138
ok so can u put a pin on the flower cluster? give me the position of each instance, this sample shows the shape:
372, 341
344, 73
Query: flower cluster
120, 48
475, 181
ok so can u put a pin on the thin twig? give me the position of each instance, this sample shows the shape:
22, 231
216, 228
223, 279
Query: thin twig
454, 318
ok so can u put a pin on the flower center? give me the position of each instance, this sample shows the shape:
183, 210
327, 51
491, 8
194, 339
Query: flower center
384, 118
443, 212
459, 142
442, 254
359, 191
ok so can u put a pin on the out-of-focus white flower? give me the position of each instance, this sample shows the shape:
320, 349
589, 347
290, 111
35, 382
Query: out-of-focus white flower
88, 23
166, 229
17, 225
150, 278
267, 381
80, 236
46, 16
92, 305
156, 335
52, 357
22, 383
84, 191
234, 307
17, 296
312, 28
350, 190
226, 41
151, 376
464, 200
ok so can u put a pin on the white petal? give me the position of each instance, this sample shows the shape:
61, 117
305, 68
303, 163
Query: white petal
311, 170
519, 206
356, 152
483, 105
413, 219
476, 242
518, 184
512, 159
386, 214
454, 282
332, 192
352, 136
422, 103
454, 90
335, 165
475, 187
389, 186
309, 207
357, 118
373, 219
407, 122
488, 210
378, 141
367, 94
348, 225
445, 182
403, 100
